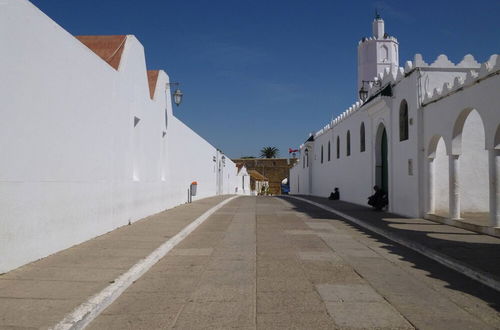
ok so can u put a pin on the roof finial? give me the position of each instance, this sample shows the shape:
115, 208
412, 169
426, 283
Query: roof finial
377, 15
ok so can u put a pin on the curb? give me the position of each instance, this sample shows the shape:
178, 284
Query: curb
476, 274
81, 316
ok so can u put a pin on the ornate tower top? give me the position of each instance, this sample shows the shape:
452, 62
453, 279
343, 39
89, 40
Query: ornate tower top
376, 53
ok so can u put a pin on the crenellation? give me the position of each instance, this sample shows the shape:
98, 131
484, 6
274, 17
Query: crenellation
418, 61
468, 62
442, 61
409, 66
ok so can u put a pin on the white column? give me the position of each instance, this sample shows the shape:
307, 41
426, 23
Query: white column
454, 165
430, 186
494, 178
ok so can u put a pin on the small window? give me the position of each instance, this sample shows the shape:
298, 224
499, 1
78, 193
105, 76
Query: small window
307, 157
348, 144
304, 161
403, 121
321, 154
338, 147
362, 143
329, 151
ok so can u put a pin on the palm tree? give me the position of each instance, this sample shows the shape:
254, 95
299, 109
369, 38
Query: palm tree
269, 152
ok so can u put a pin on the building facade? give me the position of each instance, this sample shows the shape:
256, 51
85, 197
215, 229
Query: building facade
274, 169
88, 137
428, 134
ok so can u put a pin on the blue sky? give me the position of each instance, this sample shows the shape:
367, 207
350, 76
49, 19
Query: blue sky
261, 73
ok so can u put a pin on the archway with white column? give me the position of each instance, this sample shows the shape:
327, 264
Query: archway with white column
437, 177
468, 168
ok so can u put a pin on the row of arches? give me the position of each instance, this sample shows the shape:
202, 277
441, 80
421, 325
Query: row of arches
462, 174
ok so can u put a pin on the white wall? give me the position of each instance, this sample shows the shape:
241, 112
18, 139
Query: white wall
355, 175
243, 182
73, 164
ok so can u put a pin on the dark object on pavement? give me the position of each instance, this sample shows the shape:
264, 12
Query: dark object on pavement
379, 199
335, 195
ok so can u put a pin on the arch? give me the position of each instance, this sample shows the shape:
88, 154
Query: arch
458, 127
381, 159
321, 154
307, 157
438, 177
384, 53
329, 151
338, 147
469, 147
362, 140
348, 143
403, 121
433, 144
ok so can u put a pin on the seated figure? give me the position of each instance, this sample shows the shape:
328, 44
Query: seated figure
335, 195
379, 199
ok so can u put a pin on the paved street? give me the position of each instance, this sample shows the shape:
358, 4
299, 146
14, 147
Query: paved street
258, 262
262, 263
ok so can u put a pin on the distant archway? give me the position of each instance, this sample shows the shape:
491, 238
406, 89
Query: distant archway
438, 178
381, 159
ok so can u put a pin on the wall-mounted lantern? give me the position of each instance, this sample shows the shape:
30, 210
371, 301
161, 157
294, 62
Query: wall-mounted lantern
363, 93
177, 95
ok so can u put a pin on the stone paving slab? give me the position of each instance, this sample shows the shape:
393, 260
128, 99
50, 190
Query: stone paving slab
480, 251
40, 294
220, 293
423, 291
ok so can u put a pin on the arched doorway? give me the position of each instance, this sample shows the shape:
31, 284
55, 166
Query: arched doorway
381, 159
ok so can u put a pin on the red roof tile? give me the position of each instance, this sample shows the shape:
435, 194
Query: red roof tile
152, 78
109, 48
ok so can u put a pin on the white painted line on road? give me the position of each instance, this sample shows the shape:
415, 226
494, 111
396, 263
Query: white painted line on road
89, 310
460, 267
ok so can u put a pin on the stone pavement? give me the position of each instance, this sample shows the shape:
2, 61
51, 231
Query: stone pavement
267, 263
263, 262
479, 251
41, 293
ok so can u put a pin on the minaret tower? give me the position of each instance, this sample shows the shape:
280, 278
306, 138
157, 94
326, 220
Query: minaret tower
376, 53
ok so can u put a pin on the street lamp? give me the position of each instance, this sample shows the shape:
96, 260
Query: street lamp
177, 94
363, 93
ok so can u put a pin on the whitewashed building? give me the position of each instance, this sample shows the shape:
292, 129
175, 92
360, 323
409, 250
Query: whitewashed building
88, 139
428, 134
243, 180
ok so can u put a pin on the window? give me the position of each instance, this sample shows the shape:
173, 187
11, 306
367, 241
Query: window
348, 144
362, 144
338, 147
329, 151
307, 157
321, 154
304, 161
403, 121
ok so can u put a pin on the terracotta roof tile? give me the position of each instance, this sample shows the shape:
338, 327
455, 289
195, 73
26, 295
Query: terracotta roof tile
109, 48
152, 79
257, 176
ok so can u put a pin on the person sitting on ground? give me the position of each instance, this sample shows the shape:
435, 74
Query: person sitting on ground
335, 195
379, 199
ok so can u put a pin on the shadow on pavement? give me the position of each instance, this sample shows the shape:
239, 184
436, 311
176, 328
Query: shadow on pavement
479, 251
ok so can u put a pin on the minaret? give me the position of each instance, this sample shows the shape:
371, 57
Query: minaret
377, 53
